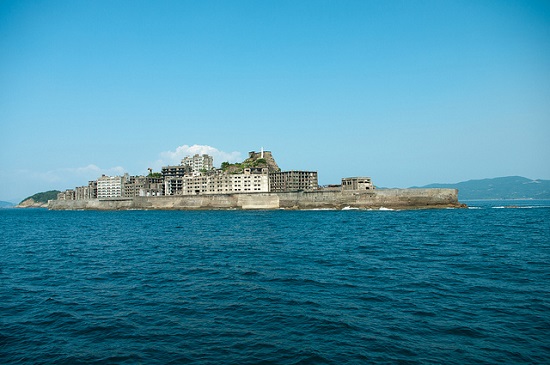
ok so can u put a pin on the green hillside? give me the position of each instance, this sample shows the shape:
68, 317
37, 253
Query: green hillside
43, 197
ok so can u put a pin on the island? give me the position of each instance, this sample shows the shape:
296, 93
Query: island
256, 183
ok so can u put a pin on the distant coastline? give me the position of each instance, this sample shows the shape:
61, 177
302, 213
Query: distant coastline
500, 188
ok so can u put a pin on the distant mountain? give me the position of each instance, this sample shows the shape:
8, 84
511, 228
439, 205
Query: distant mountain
4, 204
511, 187
38, 200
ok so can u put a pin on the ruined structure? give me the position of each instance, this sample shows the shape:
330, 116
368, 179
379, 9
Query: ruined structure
256, 183
293, 181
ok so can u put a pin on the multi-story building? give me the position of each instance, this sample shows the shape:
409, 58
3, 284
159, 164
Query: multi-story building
198, 163
152, 186
86, 192
253, 180
176, 171
92, 189
68, 194
82, 193
109, 186
142, 186
293, 181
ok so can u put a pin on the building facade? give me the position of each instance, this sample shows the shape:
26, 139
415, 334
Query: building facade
293, 181
68, 194
82, 193
142, 186
176, 171
198, 163
251, 181
109, 186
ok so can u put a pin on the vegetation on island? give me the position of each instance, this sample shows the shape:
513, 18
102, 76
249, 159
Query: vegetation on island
238, 167
38, 200
43, 197
155, 175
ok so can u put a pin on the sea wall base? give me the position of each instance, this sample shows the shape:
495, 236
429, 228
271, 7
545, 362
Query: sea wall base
388, 198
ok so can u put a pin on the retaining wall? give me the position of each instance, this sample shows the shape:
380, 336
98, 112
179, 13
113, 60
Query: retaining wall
389, 198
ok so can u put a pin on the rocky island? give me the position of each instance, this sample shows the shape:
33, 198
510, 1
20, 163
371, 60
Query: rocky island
256, 183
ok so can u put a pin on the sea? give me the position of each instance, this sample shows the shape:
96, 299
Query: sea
443, 286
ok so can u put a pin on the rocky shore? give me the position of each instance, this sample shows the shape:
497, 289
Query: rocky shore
31, 203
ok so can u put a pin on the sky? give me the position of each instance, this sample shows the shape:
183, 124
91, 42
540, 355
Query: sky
406, 92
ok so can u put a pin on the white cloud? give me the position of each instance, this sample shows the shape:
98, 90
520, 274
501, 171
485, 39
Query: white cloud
97, 171
16, 185
175, 157
66, 174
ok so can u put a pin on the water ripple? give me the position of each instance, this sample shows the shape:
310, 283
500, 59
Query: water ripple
271, 287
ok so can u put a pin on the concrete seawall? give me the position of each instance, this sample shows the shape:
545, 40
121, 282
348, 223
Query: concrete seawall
321, 199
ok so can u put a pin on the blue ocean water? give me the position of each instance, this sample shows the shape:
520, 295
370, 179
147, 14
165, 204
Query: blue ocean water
453, 286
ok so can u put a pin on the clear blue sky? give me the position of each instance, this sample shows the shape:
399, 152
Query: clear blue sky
407, 92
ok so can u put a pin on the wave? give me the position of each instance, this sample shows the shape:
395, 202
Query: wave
509, 207
521, 207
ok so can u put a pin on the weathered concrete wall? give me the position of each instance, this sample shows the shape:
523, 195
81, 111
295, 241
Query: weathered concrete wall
389, 198
258, 201
91, 204
416, 197
186, 202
